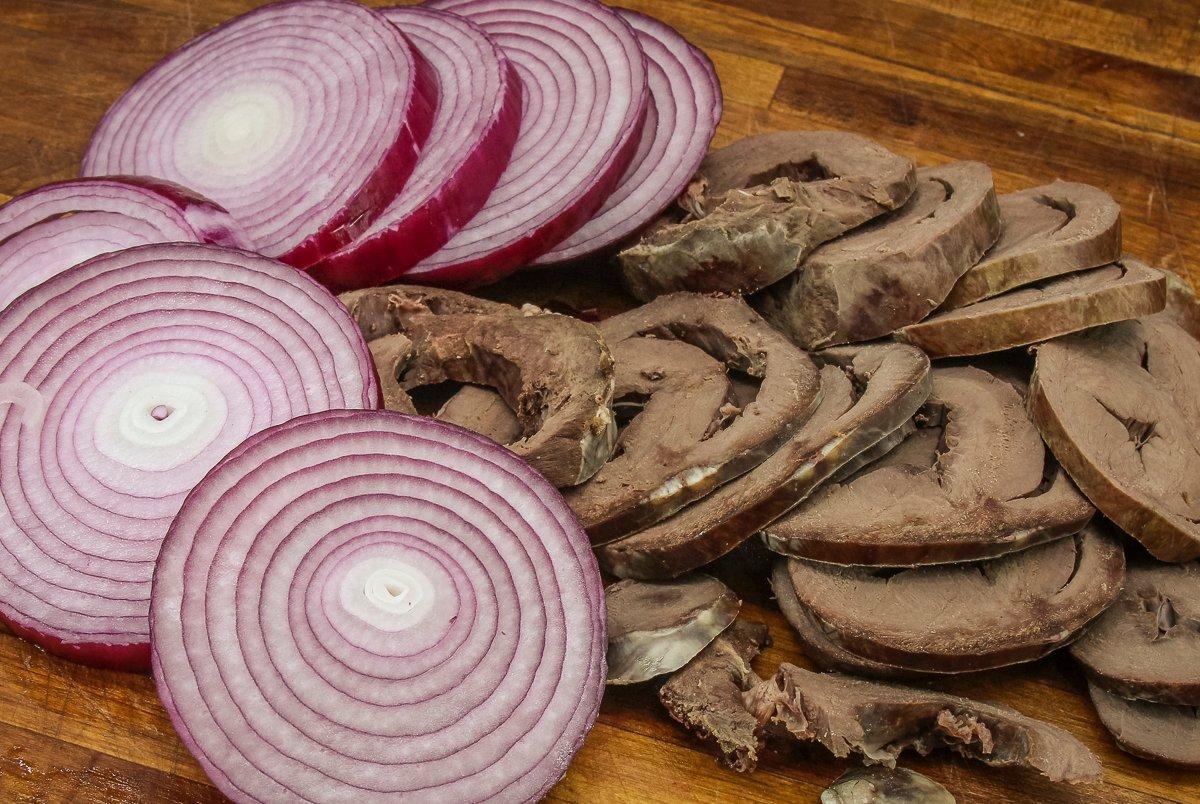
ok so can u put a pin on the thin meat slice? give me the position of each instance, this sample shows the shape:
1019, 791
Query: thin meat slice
657, 628
474, 130
761, 205
706, 696
687, 442
866, 394
584, 78
1182, 306
1158, 732
894, 270
879, 785
965, 617
1147, 645
1046, 231
1059, 306
971, 482
878, 721
681, 118
1120, 408
553, 371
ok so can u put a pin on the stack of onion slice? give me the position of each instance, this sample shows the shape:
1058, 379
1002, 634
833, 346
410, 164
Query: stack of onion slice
54, 227
304, 119
368, 606
468, 148
122, 382
685, 107
584, 77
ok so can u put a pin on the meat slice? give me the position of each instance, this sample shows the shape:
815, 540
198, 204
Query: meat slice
971, 482
1045, 231
894, 270
1182, 306
866, 393
1158, 732
1059, 306
878, 721
880, 785
554, 372
1147, 645
761, 205
706, 695
657, 628
481, 410
965, 617
694, 431
1120, 408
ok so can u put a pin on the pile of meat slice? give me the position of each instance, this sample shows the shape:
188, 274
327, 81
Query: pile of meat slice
907, 387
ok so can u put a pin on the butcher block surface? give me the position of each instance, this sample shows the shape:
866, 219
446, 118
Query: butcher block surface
1099, 91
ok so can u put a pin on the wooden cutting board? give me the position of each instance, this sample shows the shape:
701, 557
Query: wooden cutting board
1105, 92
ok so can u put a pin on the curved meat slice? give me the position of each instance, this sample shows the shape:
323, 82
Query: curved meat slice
965, 617
881, 785
1059, 306
971, 482
1182, 306
761, 205
1045, 231
691, 435
390, 354
1120, 408
706, 695
1147, 645
818, 644
657, 628
1158, 732
862, 402
878, 721
554, 372
894, 270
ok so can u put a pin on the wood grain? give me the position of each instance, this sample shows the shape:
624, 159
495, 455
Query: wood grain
1106, 92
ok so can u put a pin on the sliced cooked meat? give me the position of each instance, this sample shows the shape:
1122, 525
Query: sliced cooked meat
878, 721
1120, 408
862, 402
881, 785
818, 644
894, 270
390, 354
554, 372
965, 617
657, 628
1158, 732
1182, 305
1059, 306
699, 432
481, 410
761, 205
706, 695
971, 482
1147, 645
1045, 231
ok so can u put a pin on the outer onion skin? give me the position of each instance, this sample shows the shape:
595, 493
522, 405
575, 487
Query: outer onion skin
41, 232
122, 381
289, 682
231, 115
543, 196
685, 104
468, 149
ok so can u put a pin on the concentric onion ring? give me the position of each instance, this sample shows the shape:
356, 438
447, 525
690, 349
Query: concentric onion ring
584, 77
304, 119
681, 118
468, 148
47, 230
122, 382
370, 606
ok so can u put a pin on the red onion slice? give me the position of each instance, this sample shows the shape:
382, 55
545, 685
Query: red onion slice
122, 382
468, 148
584, 78
304, 119
378, 607
52, 228
684, 110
